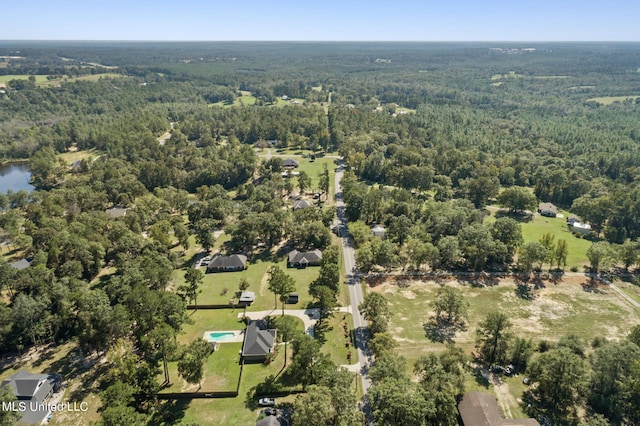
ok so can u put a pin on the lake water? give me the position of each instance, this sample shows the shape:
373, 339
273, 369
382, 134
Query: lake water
15, 177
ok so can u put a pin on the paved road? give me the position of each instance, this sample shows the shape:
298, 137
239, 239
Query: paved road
353, 283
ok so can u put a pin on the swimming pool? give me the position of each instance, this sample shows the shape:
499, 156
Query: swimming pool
220, 336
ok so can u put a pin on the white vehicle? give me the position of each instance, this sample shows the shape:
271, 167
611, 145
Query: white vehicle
267, 402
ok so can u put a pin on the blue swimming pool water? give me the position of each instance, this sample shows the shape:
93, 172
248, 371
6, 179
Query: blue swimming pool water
221, 336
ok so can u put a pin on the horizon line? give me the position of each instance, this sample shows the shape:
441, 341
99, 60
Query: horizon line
312, 41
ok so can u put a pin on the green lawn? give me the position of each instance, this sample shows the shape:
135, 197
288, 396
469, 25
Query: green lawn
335, 346
534, 230
219, 288
608, 100
6, 78
221, 372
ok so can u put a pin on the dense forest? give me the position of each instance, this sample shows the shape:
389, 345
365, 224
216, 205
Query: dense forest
431, 133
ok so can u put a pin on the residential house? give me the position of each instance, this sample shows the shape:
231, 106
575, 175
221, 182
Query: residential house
302, 259
572, 219
33, 392
235, 262
302, 204
290, 163
21, 264
378, 231
258, 342
116, 212
547, 209
269, 421
481, 409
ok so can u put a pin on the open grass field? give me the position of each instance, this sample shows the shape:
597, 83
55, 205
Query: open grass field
71, 156
6, 78
608, 100
572, 305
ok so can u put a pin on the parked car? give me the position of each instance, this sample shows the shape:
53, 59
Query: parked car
270, 411
509, 370
497, 369
266, 402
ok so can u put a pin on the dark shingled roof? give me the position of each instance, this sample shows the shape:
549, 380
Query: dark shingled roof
481, 409
34, 388
257, 342
302, 204
233, 261
313, 256
547, 206
269, 421
290, 163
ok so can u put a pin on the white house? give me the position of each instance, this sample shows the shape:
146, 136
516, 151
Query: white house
378, 231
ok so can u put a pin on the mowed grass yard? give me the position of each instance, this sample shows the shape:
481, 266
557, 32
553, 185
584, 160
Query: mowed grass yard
534, 230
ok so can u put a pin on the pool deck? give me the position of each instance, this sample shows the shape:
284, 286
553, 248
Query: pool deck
237, 338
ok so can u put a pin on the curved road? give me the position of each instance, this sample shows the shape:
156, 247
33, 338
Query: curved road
353, 283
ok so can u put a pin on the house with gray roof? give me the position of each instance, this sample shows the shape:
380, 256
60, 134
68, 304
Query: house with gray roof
116, 212
302, 204
302, 259
21, 264
235, 262
481, 409
258, 342
547, 209
290, 163
33, 392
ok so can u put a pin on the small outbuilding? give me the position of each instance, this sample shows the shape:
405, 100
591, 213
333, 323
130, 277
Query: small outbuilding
235, 262
247, 298
293, 299
21, 264
572, 219
581, 228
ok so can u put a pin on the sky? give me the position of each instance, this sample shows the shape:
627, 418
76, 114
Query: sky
328, 20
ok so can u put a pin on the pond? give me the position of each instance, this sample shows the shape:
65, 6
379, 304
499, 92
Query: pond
15, 177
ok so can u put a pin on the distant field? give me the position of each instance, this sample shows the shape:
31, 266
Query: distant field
7, 78
41, 80
608, 100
